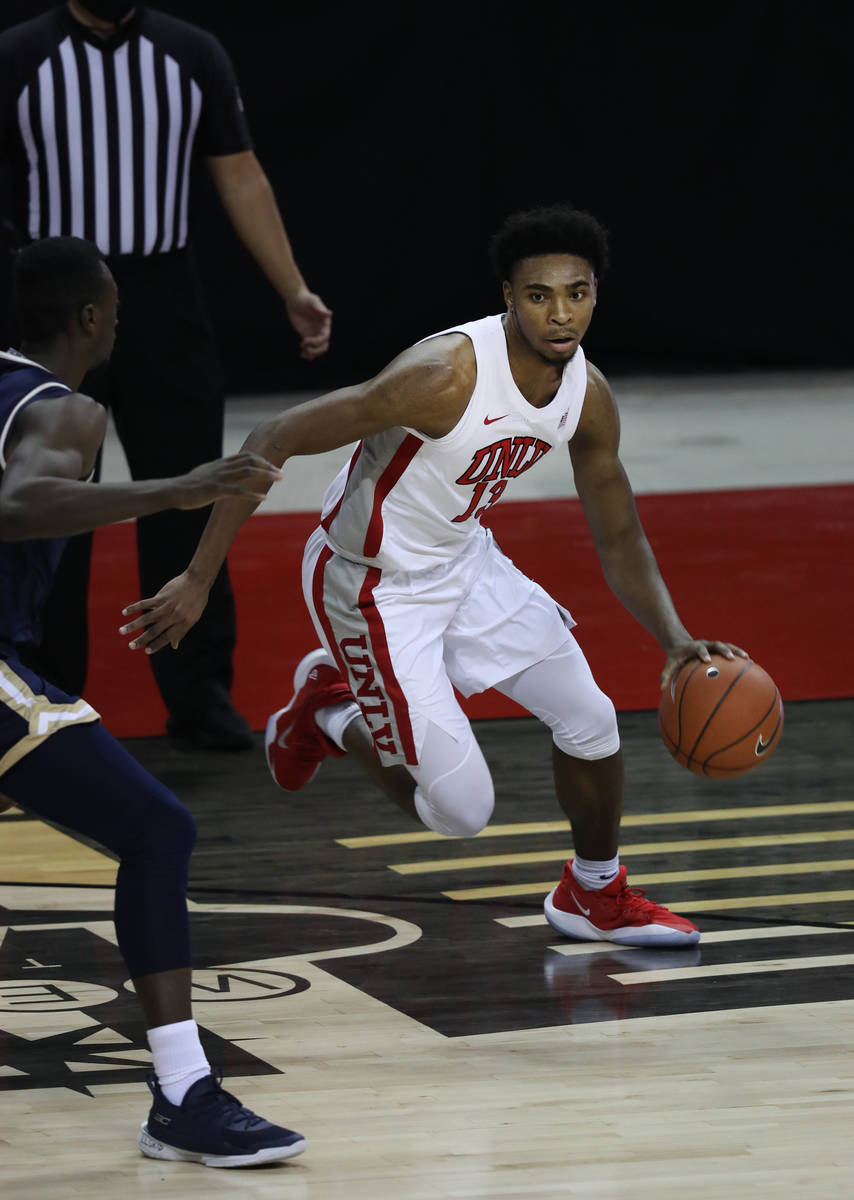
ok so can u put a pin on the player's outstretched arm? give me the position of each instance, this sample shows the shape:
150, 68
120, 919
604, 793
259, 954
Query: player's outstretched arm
426, 388
626, 557
248, 198
44, 492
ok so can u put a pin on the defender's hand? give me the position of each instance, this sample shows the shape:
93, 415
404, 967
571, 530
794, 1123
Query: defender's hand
700, 648
245, 474
168, 616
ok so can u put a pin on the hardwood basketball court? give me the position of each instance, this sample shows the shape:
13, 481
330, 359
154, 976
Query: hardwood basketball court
398, 998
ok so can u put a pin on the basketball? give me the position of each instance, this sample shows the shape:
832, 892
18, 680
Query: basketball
721, 718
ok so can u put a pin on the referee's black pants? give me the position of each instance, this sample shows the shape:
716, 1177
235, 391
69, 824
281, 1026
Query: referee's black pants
164, 387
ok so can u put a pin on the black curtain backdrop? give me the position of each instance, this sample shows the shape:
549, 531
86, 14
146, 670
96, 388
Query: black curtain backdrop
710, 139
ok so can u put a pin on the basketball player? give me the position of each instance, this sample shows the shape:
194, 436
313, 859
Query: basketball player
56, 760
410, 594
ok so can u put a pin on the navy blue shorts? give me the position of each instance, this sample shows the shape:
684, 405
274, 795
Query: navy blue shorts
88, 783
31, 710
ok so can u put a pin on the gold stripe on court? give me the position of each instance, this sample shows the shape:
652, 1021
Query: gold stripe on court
559, 855
760, 967
787, 900
762, 933
530, 919
528, 828
540, 888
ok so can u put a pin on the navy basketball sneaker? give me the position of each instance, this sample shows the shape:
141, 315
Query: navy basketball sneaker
212, 1127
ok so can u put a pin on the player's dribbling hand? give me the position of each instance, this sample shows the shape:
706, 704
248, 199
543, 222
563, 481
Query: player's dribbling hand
699, 648
165, 618
244, 474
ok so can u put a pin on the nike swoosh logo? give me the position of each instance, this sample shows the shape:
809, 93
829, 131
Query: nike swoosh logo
492, 420
586, 911
761, 746
282, 739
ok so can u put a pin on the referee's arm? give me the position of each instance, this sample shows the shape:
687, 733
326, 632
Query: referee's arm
251, 205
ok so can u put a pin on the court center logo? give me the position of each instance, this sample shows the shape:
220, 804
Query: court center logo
68, 1016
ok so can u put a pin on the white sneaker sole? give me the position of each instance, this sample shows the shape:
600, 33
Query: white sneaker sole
304, 668
576, 926
154, 1148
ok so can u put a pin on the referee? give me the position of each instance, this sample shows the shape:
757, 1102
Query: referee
105, 111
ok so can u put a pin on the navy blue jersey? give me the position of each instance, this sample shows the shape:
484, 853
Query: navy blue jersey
26, 568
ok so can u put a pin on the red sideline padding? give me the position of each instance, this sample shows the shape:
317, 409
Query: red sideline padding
771, 570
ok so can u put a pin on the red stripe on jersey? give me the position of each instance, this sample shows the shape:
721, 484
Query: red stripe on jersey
382, 657
400, 460
320, 611
333, 512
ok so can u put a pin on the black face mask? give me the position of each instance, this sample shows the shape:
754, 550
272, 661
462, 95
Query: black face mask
109, 10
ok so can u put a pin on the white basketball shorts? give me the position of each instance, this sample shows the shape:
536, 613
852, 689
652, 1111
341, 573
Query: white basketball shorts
406, 639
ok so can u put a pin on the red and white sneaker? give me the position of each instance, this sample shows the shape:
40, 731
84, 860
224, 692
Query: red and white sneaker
294, 743
616, 913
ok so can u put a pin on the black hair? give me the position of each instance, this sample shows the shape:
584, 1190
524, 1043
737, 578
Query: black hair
53, 279
557, 229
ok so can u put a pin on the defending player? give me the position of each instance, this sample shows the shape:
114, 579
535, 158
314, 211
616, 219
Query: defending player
56, 760
410, 595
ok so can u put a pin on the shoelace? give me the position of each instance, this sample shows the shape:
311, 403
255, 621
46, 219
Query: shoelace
239, 1116
635, 900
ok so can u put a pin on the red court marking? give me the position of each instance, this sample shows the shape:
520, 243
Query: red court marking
770, 569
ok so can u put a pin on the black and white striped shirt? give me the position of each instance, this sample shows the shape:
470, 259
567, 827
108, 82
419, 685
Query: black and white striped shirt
103, 136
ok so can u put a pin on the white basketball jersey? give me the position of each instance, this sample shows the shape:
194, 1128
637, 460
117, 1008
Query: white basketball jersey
407, 502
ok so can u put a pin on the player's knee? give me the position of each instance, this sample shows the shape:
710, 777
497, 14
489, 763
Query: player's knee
454, 794
179, 826
458, 803
456, 812
167, 828
592, 735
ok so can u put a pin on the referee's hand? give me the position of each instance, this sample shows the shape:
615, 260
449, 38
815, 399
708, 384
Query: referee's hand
313, 322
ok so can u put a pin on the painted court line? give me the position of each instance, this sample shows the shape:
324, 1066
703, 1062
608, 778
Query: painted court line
629, 819
750, 968
543, 886
784, 900
580, 949
560, 855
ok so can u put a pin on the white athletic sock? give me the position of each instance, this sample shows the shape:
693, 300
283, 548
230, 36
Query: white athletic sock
594, 875
179, 1059
335, 719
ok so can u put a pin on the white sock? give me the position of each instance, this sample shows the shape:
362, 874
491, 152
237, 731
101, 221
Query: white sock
335, 719
179, 1060
593, 875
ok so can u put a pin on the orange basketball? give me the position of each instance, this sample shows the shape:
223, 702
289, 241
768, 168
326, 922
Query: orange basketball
721, 718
